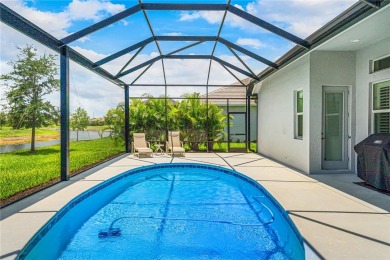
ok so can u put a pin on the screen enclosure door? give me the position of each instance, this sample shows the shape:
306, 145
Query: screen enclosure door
237, 139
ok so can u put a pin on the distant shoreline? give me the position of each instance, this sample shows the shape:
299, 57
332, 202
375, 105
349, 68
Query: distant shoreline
17, 140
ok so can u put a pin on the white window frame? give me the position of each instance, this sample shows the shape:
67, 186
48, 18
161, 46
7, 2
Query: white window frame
296, 114
372, 111
372, 62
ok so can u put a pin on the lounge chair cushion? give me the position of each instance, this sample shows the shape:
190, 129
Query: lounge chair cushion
174, 139
144, 150
177, 149
140, 145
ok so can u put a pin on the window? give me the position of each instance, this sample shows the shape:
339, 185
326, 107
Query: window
381, 107
299, 114
380, 64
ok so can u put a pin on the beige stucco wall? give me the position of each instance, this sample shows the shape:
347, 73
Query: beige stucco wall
329, 68
276, 115
363, 81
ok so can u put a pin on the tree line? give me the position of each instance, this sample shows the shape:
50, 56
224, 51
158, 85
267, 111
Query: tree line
196, 120
33, 77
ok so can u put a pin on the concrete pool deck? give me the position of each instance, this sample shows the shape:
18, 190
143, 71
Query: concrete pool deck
338, 219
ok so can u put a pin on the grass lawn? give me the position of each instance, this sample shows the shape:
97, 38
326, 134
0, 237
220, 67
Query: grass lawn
22, 170
9, 136
7, 131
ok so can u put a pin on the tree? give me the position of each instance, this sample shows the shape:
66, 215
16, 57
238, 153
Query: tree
189, 116
79, 120
3, 119
31, 79
217, 122
115, 121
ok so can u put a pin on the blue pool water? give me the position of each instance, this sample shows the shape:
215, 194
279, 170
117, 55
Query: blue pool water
170, 211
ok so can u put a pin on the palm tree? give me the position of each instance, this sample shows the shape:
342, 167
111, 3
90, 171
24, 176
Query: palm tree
156, 118
189, 116
217, 122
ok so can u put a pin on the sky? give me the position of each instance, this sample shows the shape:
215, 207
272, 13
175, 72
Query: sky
61, 18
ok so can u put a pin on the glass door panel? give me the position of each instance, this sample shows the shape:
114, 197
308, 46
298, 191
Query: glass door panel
335, 128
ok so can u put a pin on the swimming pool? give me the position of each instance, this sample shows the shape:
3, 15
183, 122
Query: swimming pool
170, 211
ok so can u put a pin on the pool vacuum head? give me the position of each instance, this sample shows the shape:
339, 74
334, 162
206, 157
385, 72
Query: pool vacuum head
111, 232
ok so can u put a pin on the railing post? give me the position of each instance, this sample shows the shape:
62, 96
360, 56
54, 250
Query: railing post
64, 96
127, 118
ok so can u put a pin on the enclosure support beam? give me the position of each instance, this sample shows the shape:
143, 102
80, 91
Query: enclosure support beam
100, 25
183, 7
184, 48
123, 52
184, 85
64, 96
207, 118
270, 27
127, 119
199, 57
231, 73
242, 62
130, 60
146, 63
248, 53
228, 123
208, 74
248, 121
227, 64
142, 73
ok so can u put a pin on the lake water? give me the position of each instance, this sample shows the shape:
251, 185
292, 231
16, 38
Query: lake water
83, 135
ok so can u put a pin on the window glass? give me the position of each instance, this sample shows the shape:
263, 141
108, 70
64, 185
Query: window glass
381, 95
382, 64
299, 101
300, 126
381, 107
382, 123
299, 114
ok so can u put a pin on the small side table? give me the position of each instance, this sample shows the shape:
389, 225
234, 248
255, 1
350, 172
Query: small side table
159, 149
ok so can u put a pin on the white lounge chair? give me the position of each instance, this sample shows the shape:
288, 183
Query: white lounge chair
140, 146
174, 145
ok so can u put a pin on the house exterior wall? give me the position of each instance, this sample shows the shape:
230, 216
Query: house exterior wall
329, 68
311, 73
276, 115
363, 81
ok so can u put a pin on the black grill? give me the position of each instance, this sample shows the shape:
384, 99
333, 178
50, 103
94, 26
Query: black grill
374, 160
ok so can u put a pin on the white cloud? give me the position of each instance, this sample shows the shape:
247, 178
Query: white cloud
58, 23
189, 16
84, 39
215, 17
54, 23
92, 9
173, 34
211, 17
254, 43
300, 17
124, 22
90, 54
